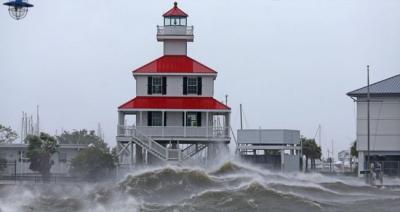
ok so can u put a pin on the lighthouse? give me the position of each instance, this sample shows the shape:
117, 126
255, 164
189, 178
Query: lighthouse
175, 115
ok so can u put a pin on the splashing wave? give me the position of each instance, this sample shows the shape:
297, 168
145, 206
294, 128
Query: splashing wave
233, 186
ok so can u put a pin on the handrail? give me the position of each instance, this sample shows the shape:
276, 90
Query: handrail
154, 147
177, 131
175, 30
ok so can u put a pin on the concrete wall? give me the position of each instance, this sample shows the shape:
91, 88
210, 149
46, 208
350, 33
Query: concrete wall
291, 163
175, 86
384, 124
174, 118
262, 136
175, 47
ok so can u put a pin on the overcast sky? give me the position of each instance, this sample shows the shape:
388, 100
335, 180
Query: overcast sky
289, 62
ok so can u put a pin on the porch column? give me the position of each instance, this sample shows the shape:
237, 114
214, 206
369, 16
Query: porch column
139, 155
361, 163
121, 122
131, 154
184, 123
141, 119
162, 123
207, 124
227, 124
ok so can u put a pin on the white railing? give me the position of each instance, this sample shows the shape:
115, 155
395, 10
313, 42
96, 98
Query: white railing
192, 150
176, 131
159, 150
175, 30
151, 145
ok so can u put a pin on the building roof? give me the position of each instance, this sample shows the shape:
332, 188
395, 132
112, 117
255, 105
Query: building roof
175, 12
172, 103
174, 64
386, 87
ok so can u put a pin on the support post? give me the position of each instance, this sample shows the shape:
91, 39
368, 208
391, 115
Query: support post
368, 126
131, 153
241, 117
207, 124
227, 124
184, 123
121, 123
139, 155
141, 119
162, 123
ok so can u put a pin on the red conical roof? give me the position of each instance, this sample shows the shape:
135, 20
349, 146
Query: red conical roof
174, 64
175, 12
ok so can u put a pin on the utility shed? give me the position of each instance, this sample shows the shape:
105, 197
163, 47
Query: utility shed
278, 149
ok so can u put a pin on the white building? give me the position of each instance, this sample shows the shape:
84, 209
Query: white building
256, 146
344, 155
174, 113
17, 163
384, 124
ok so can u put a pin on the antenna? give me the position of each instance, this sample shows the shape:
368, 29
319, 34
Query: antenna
368, 122
241, 117
37, 121
22, 128
319, 134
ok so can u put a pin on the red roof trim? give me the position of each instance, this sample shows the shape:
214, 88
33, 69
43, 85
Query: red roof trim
174, 64
175, 12
179, 103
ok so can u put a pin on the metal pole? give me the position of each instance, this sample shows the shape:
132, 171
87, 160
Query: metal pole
368, 124
319, 133
333, 168
241, 117
37, 121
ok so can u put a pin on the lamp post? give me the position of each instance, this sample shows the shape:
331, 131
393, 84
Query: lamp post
18, 8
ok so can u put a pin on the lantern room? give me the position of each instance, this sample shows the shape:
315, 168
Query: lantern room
175, 17
175, 26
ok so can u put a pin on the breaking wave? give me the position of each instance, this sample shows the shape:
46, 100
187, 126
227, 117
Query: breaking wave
232, 186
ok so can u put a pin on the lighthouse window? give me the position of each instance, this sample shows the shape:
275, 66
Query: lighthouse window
175, 21
193, 119
154, 118
192, 85
167, 21
157, 85
183, 21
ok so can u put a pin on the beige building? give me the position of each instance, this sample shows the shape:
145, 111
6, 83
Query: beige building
384, 124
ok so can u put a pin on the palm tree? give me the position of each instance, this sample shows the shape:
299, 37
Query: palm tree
312, 151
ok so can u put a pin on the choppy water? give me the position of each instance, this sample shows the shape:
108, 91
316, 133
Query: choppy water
230, 187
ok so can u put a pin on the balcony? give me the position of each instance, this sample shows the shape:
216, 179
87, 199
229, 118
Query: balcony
174, 32
175, 132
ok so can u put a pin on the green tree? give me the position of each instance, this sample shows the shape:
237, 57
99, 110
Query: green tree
40, 150
353, 150
311, 151
82, 137
7, 135
353, 153
93, 164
